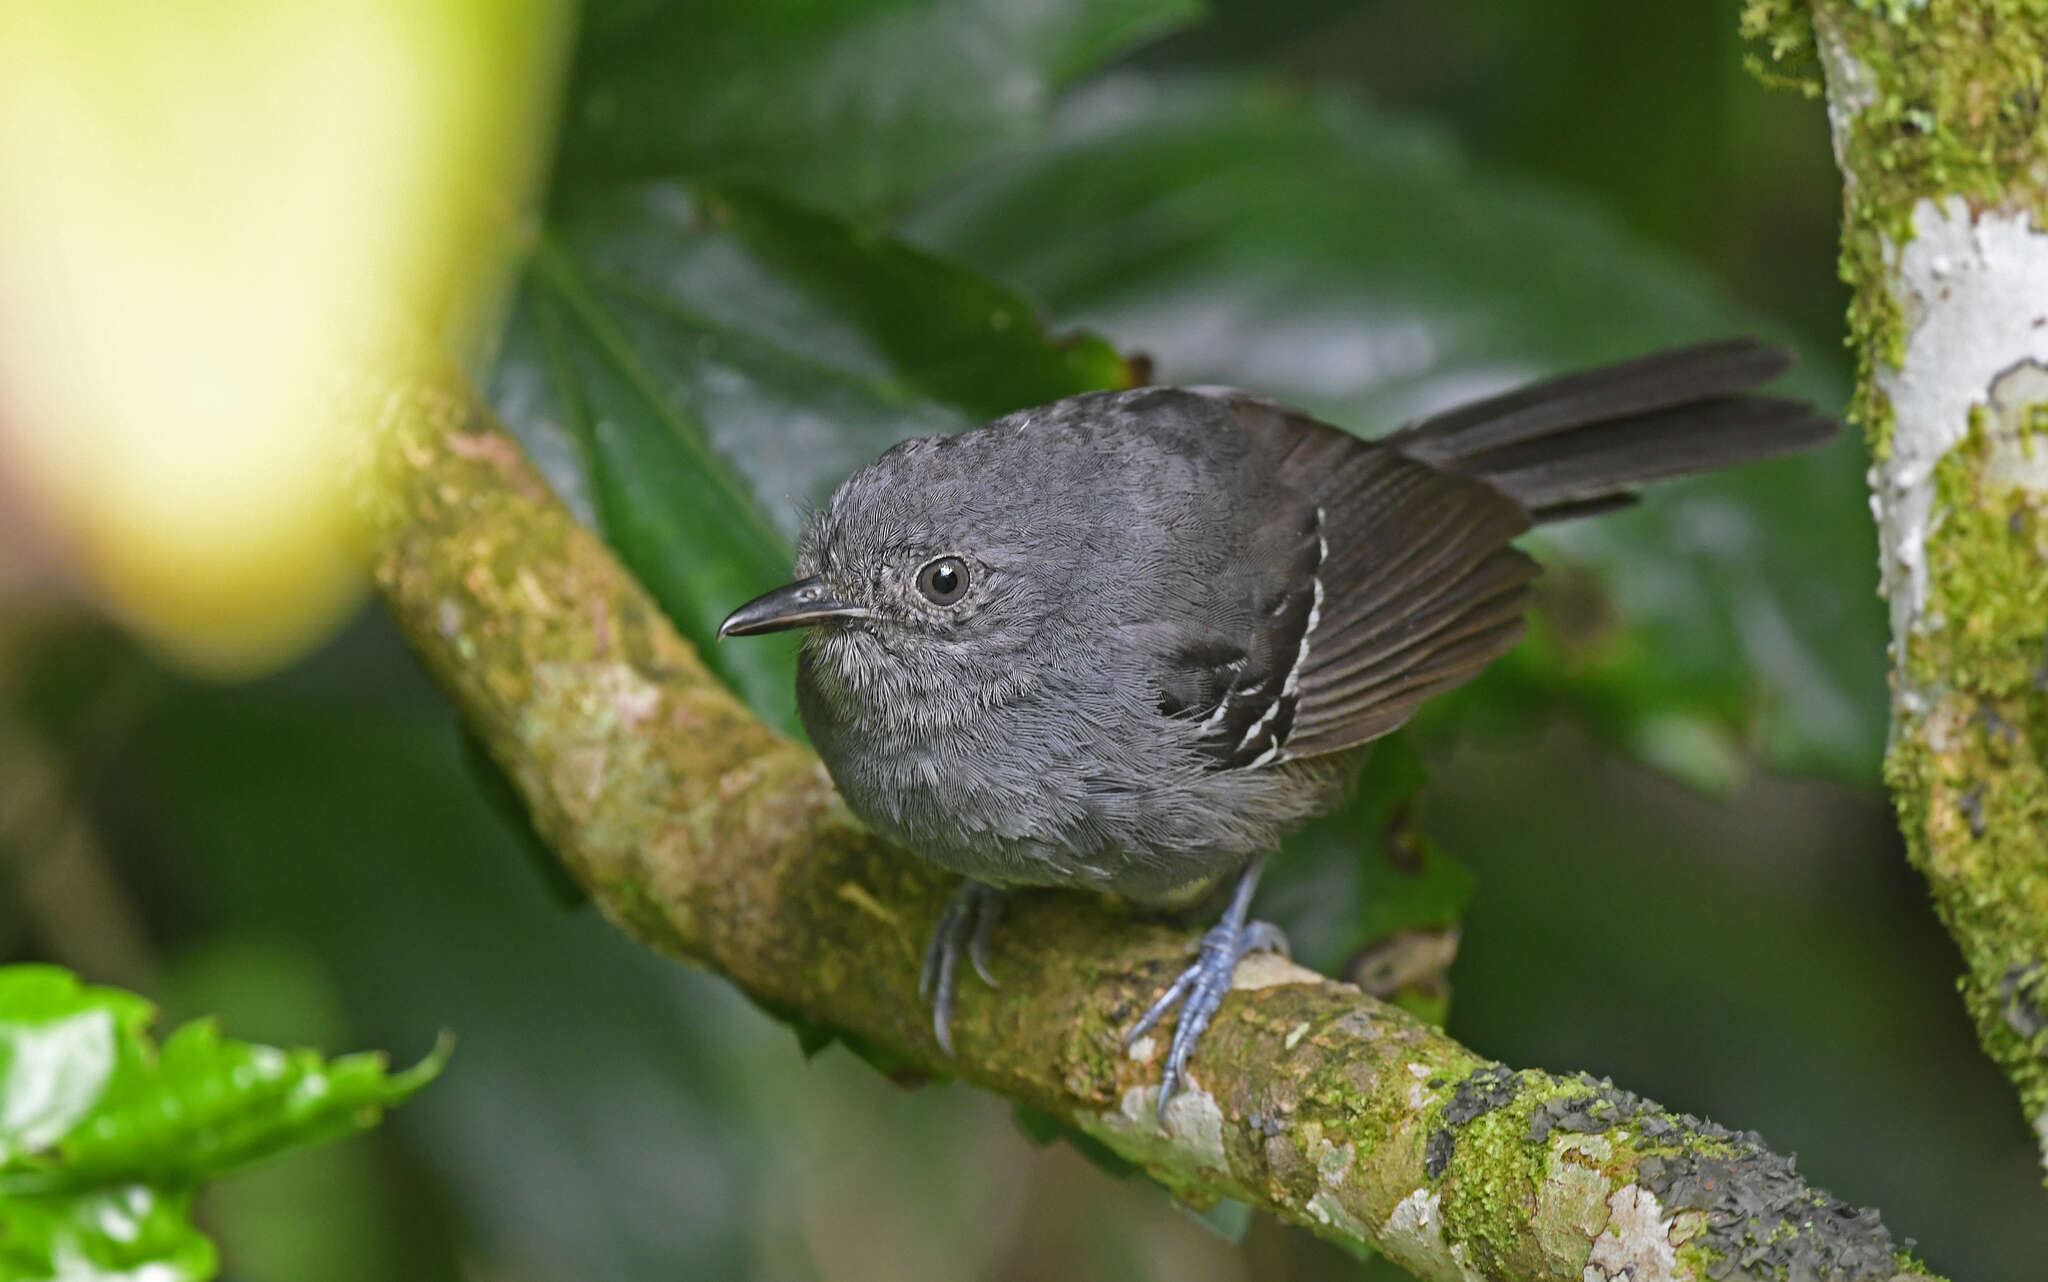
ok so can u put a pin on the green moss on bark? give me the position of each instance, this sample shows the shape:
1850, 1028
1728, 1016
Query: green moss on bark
1782, 50
1969, 767
1939, 106
1988, 564
1930, 100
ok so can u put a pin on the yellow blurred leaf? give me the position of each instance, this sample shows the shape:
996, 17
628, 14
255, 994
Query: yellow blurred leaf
205, 209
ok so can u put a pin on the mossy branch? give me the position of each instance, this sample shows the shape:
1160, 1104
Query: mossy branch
1937, 112
715, 840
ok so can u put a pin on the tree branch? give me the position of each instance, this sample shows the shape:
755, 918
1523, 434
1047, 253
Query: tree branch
715, 840
1937, 114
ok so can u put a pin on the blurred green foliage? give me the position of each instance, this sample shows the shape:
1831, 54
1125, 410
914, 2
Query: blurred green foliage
783, 236
105, 1139
850, 105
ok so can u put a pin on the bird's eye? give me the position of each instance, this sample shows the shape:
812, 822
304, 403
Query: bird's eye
943, 581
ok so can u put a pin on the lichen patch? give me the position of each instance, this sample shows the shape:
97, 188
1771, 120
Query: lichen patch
1571, 1203
1194, 1118
1636, 1245
1413, 1237
1972, 285
1328, 1210
1268, 970
1852, 89
1333, 1162
1418, 1090
1193, 1134
2017, 425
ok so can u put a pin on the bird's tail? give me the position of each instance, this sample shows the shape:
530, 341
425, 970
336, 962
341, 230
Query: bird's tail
1579, 444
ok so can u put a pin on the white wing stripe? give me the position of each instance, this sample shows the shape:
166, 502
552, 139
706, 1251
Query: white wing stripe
1293, 680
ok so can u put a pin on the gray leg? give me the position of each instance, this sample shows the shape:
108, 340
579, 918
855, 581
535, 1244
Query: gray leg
1200, 988
965, 926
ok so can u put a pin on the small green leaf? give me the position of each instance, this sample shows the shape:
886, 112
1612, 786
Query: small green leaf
125, 1231
104, 1138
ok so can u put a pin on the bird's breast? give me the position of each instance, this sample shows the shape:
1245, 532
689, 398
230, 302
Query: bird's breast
1057, 789
964, 796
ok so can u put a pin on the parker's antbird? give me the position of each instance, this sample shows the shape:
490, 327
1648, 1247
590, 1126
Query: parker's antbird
1126, 640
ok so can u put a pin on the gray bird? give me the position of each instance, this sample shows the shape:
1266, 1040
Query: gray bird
1125, 641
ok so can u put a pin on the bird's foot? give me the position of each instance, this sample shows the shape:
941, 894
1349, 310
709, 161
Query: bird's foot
970, 918
1199, 991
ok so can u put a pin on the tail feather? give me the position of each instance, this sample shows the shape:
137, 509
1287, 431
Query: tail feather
1579, 444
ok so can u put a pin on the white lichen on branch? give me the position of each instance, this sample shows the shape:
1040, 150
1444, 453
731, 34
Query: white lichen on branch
1973, 287
1640, 1242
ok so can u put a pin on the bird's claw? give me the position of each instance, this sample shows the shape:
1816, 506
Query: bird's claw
1199, 991
965, 926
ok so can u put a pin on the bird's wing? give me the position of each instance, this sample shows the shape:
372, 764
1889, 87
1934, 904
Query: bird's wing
1378, 581
1410, 586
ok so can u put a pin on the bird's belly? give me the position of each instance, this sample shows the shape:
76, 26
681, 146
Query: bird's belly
983, 821
1074, 819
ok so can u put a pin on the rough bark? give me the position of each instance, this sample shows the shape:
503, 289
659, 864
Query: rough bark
717, 841
1936, 108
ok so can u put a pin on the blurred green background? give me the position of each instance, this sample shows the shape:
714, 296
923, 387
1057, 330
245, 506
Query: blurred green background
797, 232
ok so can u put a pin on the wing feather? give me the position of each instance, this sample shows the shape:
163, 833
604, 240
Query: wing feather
1411, 584
1398, 582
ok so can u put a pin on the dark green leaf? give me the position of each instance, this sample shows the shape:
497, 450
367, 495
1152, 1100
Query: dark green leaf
1408, 884
850, 104
667, 501
951, 336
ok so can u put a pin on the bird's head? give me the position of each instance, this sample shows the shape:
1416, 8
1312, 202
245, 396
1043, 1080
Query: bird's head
922, 577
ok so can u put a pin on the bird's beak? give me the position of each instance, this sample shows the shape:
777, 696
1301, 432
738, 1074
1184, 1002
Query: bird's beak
795, 605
